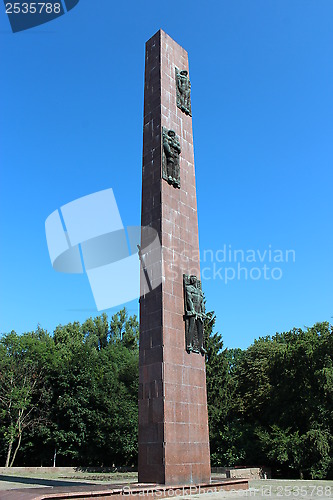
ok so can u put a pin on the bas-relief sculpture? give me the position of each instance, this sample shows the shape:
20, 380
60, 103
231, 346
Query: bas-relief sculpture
171, 152
171, 145
194, 314
183, 86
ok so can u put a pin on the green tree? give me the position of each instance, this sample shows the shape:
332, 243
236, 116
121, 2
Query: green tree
219, 395
23, 386
284, 392
95, 391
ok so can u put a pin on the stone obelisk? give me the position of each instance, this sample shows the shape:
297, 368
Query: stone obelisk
173, 419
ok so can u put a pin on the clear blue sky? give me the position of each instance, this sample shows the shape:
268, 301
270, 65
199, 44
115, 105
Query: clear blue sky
262, 101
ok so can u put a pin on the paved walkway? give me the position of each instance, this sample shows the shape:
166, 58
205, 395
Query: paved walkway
30, 488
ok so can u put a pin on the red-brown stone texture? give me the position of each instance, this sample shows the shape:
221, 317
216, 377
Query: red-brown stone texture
173, 419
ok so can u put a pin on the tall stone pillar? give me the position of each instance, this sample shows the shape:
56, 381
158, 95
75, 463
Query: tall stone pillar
173, 419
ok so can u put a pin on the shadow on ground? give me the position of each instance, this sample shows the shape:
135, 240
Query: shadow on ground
42, 482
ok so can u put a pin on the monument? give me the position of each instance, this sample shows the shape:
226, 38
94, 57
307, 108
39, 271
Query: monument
173, 418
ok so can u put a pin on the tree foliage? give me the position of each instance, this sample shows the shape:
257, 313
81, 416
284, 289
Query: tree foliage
73, 393
279, 404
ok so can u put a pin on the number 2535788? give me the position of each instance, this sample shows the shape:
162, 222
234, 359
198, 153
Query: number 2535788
33, 8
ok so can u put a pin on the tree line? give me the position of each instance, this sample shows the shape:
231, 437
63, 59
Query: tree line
70, 398
272, 403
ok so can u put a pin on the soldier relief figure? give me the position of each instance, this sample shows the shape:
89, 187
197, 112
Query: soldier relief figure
171, 152
183, 86
194, 314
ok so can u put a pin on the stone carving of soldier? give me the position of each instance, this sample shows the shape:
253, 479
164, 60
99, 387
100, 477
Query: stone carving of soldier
184, 89
195, 314
172, 151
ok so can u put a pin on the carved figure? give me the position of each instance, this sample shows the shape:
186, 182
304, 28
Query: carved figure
171, 150
194, 314
183, 86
